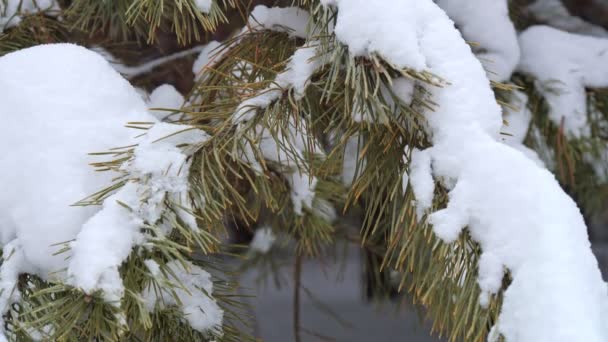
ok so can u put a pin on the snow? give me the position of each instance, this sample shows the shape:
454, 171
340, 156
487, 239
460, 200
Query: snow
296, 76
288, 150
130, 72
108, 237
513, 208
599, 163
203, 5
61, 102
164, 169
208, 56
105, 240
355, 28
38, 84
291, 145
84, 96
263, 239
192, 287
421, 178
518, 117
11, 10
488, 25
563, 64
164, 97
292, 20
555, 14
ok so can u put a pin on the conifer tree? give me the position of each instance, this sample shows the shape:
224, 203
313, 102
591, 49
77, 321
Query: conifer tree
438, 122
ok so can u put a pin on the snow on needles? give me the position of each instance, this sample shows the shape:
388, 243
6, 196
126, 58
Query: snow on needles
191, 290
108, 237
11, 10
487, 25
298, 72
292, 20
564, 64
291, 145
60, 103
513, 208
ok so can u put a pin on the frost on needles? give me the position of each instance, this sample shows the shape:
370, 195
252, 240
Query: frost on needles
513, 208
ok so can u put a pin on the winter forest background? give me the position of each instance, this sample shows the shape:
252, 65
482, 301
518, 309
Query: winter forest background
307, 170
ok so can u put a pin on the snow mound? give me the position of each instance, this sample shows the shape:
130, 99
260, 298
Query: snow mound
165, 97
60, 103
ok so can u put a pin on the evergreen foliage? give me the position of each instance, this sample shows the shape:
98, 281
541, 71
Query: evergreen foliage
438, 276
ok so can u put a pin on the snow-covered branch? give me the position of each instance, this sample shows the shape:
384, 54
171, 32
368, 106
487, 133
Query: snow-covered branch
563, 65
513, 208
68, 102
487, 25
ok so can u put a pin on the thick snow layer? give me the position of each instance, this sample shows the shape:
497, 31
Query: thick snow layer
263, 239
355, 28
513, 208
487, 24
193, 288
56, 101
300, 68
59, 103
104, 241
554, 13
563, 64
11, 10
